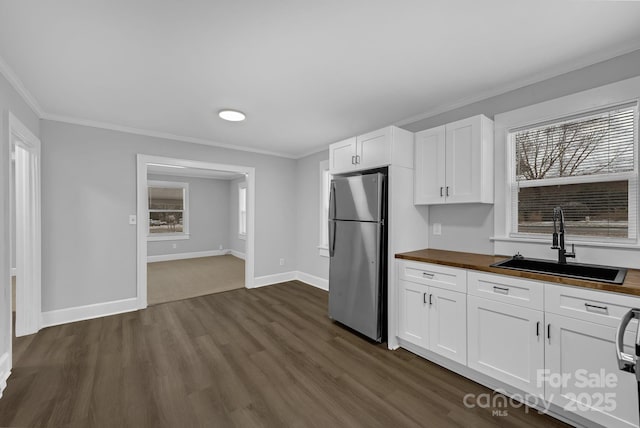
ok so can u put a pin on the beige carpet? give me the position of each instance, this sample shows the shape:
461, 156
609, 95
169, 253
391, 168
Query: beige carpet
182, 279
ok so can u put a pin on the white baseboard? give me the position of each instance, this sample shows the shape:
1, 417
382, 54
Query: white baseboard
5, 371
80, 313
313, 280
14, 271
237, 254
182, 256
261, 281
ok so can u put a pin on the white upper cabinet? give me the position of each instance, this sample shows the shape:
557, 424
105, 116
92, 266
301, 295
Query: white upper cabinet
429, 173
342, 155
386, 146
454, 163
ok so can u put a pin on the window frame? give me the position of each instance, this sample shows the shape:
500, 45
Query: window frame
513, 185
242, 223
172, 236
323, 208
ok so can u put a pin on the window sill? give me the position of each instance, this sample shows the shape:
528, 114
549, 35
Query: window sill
168, 237
569, 240
323, 251
242, 236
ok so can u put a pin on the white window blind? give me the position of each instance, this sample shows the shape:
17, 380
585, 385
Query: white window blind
586, 165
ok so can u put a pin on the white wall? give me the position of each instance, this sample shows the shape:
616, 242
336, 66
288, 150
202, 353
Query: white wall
89, 190
10, 101
208, 217
468, 227
308, 215
235, 242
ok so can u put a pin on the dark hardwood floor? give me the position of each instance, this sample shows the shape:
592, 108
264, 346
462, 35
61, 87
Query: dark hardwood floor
265, 357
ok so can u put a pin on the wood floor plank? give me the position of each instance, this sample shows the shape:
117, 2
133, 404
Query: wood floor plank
267, 357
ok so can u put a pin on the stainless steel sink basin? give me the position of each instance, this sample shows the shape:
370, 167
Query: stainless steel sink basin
609, 274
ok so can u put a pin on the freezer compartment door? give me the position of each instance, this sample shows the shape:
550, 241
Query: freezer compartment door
356, 198
354, 277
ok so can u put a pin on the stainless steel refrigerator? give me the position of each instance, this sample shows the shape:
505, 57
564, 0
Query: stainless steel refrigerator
357, 249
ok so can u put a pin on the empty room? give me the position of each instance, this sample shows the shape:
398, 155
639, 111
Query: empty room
329, 214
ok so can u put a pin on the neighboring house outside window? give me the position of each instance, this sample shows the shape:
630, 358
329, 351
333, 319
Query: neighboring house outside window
325, 185
587, 165
168, 203
242, 210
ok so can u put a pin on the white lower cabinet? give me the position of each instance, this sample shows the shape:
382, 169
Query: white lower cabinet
448, 324
412, 313
583, 375
434, 319
552, 341
506, 342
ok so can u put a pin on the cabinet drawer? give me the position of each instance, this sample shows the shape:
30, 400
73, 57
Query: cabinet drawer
434, 275
589, 305
529, 294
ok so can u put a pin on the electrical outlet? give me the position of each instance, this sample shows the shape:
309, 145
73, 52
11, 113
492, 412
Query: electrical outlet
133, 219
437, 228
174, 245
281, 262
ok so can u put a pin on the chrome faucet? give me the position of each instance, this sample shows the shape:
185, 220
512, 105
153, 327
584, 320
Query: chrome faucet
558, 237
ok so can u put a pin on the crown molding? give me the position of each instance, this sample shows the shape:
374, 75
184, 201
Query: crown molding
19, 87
540, 77
156, 134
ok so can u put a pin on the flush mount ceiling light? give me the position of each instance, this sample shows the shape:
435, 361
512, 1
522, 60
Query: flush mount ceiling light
232, 115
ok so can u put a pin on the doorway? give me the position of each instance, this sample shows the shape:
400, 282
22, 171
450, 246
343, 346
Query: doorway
25, 221
167, 234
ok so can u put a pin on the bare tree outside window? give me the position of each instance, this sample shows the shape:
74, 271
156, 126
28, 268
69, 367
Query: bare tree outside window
580, 165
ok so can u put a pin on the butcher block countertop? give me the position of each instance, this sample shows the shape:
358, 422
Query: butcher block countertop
483, 262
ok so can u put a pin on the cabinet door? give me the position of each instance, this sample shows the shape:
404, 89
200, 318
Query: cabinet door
506, 342
429, 166
413, 312
448, 324
580, 350
463, 163
342, 156
374, 149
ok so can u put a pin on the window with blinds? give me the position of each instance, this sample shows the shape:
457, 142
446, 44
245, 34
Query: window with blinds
586, 165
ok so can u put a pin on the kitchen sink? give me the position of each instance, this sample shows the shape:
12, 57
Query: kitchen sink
609, 274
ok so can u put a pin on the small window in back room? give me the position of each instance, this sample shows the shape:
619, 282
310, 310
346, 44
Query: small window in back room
242, 210
587, 165
168, 212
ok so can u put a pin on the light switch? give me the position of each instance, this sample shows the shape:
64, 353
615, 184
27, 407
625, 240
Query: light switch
133, 219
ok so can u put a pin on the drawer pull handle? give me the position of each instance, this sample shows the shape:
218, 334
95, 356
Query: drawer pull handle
600, 308
501, 290
428, 275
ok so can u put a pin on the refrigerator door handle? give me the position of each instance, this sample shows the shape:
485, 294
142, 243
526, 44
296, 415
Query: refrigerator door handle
627, 362
332, 200
332, 238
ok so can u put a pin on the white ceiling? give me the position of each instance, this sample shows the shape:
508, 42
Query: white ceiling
306, 73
